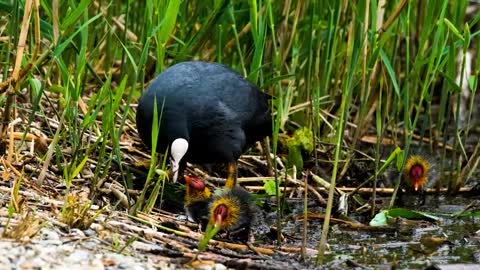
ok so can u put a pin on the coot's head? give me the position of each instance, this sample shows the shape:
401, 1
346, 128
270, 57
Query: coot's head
416, 172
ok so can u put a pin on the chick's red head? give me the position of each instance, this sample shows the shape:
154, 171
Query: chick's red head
416, 172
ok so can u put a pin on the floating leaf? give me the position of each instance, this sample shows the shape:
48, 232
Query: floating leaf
381, 219
411, 214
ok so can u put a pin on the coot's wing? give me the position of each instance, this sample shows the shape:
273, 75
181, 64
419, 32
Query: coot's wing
211, 101
219, 135
249, 104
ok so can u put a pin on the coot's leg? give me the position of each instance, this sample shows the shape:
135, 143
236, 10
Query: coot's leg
231, 181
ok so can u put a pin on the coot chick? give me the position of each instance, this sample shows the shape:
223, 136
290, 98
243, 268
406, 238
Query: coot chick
234, 211
416, 173
197, 200
209, 113
416, 178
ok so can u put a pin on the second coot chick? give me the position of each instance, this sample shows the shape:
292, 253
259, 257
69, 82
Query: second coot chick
197, 200
209, 113
234, 211
416, 177
416, 173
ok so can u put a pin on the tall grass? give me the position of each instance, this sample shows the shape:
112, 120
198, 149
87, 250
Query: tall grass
370, 67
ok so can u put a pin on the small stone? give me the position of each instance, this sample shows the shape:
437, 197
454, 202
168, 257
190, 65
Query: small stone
35, 263
49, 234
219, 266
208, 266
90, 232
76, 233
78, 256
476, 257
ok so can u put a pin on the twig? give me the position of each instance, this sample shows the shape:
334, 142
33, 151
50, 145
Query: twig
386, 191
396, 12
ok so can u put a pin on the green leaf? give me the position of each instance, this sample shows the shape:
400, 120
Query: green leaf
472, 82
269, 187
410, 214
305, 137
452, 84
471, 213
396, 154
79, 168
36, 88
379, 220
453, 28
73, 16
210, 232
400, 159
467, 35
58, 89
302, 137
61, 47
391, 72
295, 157
168, 22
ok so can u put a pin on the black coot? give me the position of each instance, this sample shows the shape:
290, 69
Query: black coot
209, 113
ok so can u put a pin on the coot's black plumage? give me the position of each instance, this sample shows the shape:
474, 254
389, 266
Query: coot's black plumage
216, 112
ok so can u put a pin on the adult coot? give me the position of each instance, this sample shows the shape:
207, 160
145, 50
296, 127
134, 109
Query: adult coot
209, 113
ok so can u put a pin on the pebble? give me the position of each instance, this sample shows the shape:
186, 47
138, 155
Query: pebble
90, 232
48, 250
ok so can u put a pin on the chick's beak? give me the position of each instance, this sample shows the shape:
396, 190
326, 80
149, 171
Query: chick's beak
218, 220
